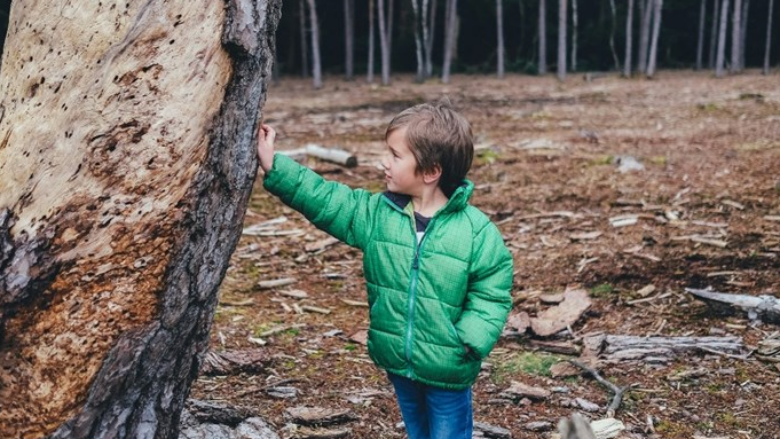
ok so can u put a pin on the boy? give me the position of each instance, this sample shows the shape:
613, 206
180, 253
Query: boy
437, 271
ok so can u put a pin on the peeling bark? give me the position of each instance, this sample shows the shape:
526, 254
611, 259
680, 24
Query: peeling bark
125, 169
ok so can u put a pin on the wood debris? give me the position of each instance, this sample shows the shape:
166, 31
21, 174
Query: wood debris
276, 283
518, 323
321, 433
295, 294
321, 245
317, 309
234, 362
556, 347
319, 415
230, 302
334, 155
359, 303
764, 307
768, 349
663, 349
558, 318
518, 391
492, 431
618, 392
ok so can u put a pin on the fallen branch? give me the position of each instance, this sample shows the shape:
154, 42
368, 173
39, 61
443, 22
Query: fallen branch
334, 155
618, 391
764, 307
626, 347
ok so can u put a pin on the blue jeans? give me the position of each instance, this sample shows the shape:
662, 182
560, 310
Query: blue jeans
432, 412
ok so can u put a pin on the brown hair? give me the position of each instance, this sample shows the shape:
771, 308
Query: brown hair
438, 136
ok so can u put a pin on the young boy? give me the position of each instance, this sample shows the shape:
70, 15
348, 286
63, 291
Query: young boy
437, 271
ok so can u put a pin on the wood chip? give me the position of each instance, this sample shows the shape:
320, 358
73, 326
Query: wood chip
321, 244
229, 302
276, 283
234, 362
355, 303
319, 415
557, 347
518, 390
316, 309
646, 290
624, 220
295, 294
733, 204
551, 298
585, 236
708, 241
772, 217
558, 318
519, 321
321, 433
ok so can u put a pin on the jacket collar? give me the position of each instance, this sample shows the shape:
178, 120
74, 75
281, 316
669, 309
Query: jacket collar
457, 201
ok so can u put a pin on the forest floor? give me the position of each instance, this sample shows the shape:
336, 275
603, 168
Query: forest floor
706, 208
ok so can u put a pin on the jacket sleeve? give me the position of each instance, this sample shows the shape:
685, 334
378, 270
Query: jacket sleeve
489, 295
335, 208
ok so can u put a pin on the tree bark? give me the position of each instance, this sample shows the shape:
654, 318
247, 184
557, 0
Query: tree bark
304, 40
371, 39
542, 37
644, 34
736, 30
500, 37
768, 46
574, 25
659, 5
714, 34
384, 47
561, 40
315, 45
449, 39
349, 39
125, 170
629, 39
724, 22
700, 42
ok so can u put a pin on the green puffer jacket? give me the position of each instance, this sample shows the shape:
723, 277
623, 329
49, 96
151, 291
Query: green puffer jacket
428, 301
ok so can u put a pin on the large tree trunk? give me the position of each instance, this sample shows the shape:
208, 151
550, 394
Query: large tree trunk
700, 41
714, 34
371, 39
542, 37
384, 44
768, 45
629, 39
314, 22
651, 63
349, 39
724, 22
644, 34
736, 27
500, 37
125, 168
562, 40
449, 39
304, 39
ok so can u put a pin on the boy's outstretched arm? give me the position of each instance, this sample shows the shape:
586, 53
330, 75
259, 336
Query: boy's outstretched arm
489, 295
339, 210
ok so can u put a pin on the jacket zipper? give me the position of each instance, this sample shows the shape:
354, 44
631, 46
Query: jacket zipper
413, 289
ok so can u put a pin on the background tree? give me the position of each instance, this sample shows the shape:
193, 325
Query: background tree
700, 41
349, 39
315, 45
629, 39
449, 39
657, 12
542, 37
574, 25
304, 39
736, 31
612, 34
724, 20
430, 39
500, 38
419, 22
384, 43
646, 11
743, 33
119, 212
768, 45
714, 33
371, 39
561, 40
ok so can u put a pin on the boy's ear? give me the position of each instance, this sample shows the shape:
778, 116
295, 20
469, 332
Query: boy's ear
432, 176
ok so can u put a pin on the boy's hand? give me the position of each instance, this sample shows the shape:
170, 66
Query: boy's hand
265, 146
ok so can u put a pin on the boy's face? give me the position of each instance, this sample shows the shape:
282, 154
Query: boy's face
400, 166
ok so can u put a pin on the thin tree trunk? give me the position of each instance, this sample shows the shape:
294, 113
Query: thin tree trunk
743, 34
612, 35
736, 27
700, 43
562, 40
429, 41
500, 36
315, 45
714, 33
768, 46
574, 25
390, 16
659, 4
349, 39
384, 43
724, 22
449, 45
418, 44
371, 38
426, 36
644, 34
304, 40
542, 37
629, 39
119, 213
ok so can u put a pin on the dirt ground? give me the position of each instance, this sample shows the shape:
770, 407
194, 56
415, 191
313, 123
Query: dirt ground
547, 173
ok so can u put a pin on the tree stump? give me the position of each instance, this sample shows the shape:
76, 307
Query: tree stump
126, 161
